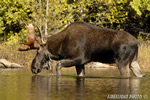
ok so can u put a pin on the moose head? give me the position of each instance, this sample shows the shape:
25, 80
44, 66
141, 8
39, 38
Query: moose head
42, 59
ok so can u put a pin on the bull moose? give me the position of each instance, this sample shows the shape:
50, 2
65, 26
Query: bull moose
80, 43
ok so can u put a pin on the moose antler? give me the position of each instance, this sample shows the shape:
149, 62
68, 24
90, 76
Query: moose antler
32, 38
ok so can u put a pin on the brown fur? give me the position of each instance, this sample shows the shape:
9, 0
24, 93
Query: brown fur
80, 43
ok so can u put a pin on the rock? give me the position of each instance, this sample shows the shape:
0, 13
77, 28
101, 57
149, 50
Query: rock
6, 64
98, 65
14, 65
2, 65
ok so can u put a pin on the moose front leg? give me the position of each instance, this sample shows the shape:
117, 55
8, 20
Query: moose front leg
65, 63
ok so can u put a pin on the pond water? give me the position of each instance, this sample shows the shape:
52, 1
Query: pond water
98, 84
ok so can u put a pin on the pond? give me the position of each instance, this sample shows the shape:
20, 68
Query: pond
98, 84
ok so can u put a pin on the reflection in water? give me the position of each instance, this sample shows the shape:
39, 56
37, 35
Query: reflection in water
58, 82
41, 86
44, 88
22, 85
129, 86
80, 88
77, 88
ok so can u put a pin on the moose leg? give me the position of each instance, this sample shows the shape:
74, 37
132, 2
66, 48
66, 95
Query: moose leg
124, 58
134, 66
80, 70
65, 63
123, 66
124, 69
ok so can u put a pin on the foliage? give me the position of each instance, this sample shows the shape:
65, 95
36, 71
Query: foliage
13, 15
16, 37
1, 26
98, 12
132, 16
116, 14
140, 6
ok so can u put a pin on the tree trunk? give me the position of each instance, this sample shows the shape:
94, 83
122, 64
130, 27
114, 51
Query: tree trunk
40, 4
46, 33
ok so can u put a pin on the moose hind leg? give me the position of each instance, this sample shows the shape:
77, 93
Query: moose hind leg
80, 70
135, 68
124, 69
124, 59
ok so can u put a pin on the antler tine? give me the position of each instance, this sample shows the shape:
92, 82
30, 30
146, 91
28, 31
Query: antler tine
40, 35
20, 49
27, 49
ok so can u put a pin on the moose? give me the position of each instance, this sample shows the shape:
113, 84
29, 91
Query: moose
80, 43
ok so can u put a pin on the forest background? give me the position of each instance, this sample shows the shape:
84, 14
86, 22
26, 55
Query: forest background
53, 16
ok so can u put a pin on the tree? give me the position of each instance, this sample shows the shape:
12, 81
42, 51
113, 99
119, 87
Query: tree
13, 14
142, 8
53, 16
46, 33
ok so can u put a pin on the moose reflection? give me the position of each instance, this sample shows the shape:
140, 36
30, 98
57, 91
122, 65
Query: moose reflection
82, 88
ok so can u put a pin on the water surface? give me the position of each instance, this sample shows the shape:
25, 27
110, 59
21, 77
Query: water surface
98, 84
